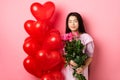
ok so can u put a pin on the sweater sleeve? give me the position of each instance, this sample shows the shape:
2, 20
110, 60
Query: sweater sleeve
90, 49
89, 45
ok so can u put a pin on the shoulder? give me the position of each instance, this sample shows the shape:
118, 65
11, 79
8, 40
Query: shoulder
86, 38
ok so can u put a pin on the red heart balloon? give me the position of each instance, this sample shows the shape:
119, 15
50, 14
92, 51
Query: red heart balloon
53, 76
36, 29
47, 77
53, 59
41, 57
54, 31
57, 75
47, 60
30, 46
30, 65
53, 41
28, 25
43, 12
58, 67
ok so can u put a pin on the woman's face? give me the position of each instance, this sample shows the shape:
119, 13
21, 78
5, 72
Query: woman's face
73, 23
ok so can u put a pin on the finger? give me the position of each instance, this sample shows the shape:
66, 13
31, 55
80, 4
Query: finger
77, 69
78, 72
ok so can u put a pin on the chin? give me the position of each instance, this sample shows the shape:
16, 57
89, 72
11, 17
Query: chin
74, 30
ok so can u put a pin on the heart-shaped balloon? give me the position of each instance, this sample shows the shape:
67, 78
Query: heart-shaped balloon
47, 77
53, 41
54, 58
41, 57
59, 66
53, 76
43, 12
48, 59
57, 75
30, 46
36, 29
31, 66
28, 25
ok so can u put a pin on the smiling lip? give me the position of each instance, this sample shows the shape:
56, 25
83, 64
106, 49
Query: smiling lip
73, 27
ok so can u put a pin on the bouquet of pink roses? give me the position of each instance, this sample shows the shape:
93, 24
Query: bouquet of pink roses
74, 51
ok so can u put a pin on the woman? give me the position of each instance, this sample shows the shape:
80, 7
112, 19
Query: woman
75, 26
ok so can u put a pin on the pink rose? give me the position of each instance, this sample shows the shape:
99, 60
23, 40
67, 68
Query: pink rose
70, 36
67, 37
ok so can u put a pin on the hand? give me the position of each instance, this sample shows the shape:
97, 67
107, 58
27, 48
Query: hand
79, 70
72, 63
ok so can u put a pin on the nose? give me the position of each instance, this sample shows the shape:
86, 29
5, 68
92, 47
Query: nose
73, 23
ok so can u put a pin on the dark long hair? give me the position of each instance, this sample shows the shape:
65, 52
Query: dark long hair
81, 28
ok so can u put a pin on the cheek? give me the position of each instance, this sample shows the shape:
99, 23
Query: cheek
69, 27
76, 25
69, 24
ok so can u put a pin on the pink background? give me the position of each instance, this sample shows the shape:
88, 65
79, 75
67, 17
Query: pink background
102, 21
